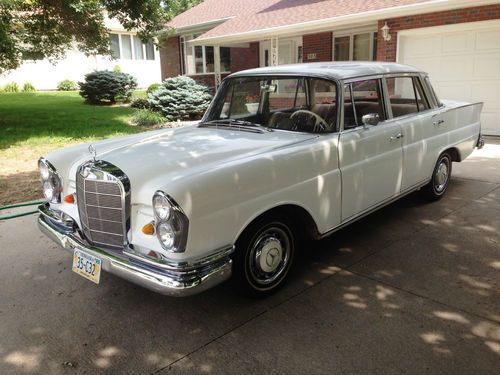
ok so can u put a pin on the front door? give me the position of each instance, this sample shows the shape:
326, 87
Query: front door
289, 51
371, 156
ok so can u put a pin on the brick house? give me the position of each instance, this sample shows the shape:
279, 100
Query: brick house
456, 41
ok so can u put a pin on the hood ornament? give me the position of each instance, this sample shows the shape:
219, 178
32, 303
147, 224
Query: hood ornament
93, 152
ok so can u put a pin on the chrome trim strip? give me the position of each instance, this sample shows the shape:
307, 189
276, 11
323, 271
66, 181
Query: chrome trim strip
176, 281
372, 209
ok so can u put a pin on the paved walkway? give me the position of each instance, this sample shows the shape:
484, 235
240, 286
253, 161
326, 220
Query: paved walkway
413, 288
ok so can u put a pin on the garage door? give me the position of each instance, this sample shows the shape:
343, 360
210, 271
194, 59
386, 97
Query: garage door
463, 62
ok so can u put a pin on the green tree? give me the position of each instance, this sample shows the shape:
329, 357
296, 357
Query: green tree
38, 29
176, 7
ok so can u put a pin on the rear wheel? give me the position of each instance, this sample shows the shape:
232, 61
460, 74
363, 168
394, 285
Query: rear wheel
438, 185
264, 255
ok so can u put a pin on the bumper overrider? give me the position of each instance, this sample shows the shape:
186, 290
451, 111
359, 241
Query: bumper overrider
173, 279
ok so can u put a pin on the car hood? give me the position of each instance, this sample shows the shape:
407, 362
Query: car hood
163, 157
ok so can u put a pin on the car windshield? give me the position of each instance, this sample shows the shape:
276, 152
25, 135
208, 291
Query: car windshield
302, 104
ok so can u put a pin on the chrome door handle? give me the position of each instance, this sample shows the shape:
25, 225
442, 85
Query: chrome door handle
397, 136
438, 122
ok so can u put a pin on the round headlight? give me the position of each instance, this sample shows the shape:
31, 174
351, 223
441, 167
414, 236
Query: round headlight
44, 170
162, 207
166, 235
48, 190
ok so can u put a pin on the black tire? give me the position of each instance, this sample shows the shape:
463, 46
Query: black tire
264, 255
440, 180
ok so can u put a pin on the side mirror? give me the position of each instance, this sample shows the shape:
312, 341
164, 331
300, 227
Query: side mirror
370, 119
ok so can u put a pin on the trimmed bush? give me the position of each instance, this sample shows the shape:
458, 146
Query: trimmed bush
180, 98
152, 87
140, 103
145, 117
28, 87
105, 86
11, 87
67, 85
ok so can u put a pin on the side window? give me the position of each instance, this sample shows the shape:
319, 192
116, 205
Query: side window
323, 99
433, 97
362, 98
405, 96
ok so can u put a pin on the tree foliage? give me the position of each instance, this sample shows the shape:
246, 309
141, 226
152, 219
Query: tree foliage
175, 7
38, 29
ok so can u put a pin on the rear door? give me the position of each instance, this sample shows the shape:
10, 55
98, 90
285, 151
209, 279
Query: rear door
420, 124
371, 156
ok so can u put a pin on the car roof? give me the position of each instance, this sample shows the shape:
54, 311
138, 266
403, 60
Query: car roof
335, 70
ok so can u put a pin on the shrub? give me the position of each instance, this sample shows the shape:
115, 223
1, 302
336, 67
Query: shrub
67, 85
105, 86
11, 87
152, 87
145, 117
140, 103
180, 98
28, 87
117, 69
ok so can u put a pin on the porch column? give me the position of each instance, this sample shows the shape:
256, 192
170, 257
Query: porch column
274, 51
218, 78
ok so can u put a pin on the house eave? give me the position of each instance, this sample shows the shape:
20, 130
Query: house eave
341, 21
199, 27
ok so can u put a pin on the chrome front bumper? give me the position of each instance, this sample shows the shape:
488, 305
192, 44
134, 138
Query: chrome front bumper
181, 279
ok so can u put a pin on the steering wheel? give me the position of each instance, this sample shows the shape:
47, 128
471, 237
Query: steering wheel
319, 123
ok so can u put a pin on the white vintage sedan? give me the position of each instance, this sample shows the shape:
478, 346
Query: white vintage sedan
282, 153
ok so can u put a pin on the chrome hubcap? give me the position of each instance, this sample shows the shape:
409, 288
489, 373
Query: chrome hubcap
441, 176
269, 256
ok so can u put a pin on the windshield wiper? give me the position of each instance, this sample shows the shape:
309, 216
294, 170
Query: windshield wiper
232, 122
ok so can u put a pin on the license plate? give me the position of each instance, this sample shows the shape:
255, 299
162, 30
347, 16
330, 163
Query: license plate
87, 265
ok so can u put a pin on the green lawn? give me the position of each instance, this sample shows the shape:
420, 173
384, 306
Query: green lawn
32, 124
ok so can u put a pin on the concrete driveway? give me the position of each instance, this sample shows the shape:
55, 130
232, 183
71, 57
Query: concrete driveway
413, 288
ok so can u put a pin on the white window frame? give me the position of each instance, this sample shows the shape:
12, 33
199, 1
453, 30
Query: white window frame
131, 35
183, 40
351, 33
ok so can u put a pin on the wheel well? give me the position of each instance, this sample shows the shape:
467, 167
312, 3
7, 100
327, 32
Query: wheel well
297, 214
454, 153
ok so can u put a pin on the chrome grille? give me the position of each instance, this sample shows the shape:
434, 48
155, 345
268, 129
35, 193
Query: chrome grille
103, 198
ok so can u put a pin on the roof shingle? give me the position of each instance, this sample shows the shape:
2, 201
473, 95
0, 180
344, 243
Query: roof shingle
264, 14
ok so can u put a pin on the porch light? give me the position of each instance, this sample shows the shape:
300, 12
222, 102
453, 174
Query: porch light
385, 32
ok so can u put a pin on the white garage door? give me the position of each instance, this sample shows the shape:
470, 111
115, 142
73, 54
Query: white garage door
463, 62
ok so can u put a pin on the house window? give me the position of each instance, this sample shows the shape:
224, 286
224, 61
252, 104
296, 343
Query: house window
130, 47
114, 45
201, 59
354, 47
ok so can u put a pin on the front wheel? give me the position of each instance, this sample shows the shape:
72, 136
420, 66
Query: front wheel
264, 255
438, 185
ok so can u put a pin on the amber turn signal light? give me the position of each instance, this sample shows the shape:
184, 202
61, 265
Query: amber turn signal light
148, 229
70, 198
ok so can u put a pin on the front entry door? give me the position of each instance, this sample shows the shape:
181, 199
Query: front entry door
371, 156
289, 51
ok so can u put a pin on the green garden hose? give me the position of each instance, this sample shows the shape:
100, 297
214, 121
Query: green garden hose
25, 204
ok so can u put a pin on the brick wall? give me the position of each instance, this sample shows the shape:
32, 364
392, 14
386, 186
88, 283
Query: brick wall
319, 44
245, 58
386, 51
170, 58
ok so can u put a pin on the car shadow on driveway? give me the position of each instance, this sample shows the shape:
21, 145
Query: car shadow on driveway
410, 288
